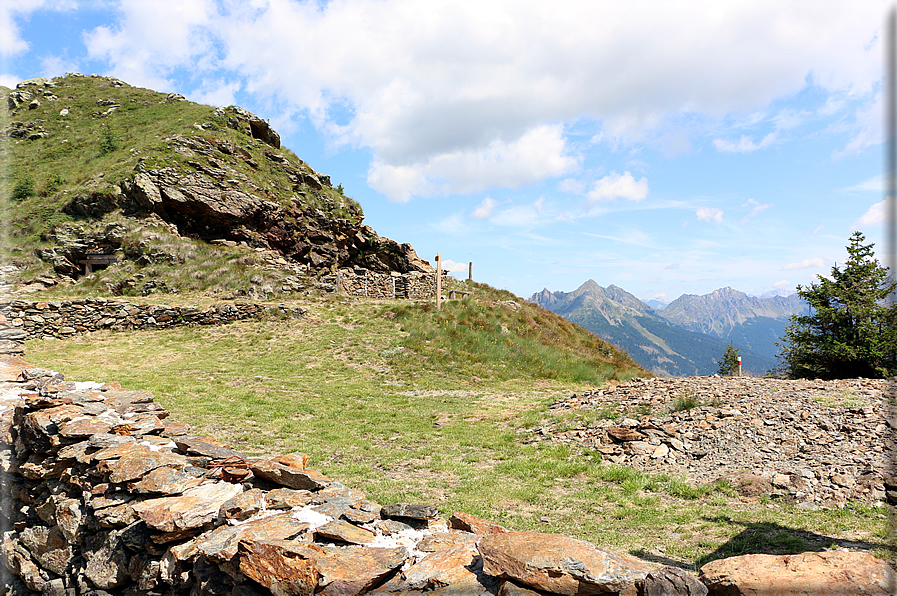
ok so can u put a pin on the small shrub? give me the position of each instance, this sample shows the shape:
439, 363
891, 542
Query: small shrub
23, 188
54, 181
685, 402
108, 142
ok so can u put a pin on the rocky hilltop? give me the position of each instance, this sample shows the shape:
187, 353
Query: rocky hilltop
84, 148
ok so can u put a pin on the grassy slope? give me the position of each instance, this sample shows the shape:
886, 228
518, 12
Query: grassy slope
410, 404
72, 160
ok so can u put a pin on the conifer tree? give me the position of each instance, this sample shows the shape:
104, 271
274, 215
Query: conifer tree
849, 330
728, 365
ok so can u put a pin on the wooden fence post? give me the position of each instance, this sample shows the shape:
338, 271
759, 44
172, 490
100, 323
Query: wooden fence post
438, 281
470, 271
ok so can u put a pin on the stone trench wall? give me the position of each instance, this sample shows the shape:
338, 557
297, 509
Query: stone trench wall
372, 284
66, 318
104, 494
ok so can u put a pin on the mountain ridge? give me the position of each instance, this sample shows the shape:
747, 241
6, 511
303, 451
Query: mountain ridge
658, 342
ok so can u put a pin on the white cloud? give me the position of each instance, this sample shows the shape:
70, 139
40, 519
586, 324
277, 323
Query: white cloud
816, 263
519, 216
11, 42
156, 37
452, 95
540, 153
744, 145
484, 209
757, 210
710, 214
781, 284
572, 186
453, 267
9, 80
868, 121
873, 217
819, 228
616, 186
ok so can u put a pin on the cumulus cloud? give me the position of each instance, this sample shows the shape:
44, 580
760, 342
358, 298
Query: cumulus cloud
484, 209
617, 186
873, 217
781, 284
672, 266
710, 214
449, 94
538, 154
745, 144
453, 267
816, 263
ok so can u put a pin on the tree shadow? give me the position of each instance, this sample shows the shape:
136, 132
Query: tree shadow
775, 539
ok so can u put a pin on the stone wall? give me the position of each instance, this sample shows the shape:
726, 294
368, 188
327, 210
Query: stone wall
104, 494
66, 318
373, 284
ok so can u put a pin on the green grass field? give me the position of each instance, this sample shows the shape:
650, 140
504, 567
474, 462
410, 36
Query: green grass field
409, 404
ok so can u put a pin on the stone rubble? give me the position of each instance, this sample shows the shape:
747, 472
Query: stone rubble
104, 494
821, 443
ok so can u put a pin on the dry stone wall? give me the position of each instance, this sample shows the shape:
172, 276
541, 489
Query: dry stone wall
66, 318
373, 284
104, 494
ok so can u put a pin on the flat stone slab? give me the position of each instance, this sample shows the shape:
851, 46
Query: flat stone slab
345, 532
288, 476
410, 510
455, 570
197, 447
828, 573
559, 564
196, 507
221, 543
167, 481
289, 567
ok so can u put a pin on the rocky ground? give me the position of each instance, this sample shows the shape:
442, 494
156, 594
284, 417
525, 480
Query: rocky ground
820, 443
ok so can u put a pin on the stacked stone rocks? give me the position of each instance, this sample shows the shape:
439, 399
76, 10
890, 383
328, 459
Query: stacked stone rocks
821, 443
66, 318
361, 282
104, 494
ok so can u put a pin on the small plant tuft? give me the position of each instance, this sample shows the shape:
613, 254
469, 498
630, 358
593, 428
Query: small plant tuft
108, 142
23, 188
685, 402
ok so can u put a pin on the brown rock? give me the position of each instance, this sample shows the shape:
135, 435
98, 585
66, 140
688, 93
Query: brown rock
345, 532
106, 562
197, 447
470, 523
197, 506
138, 462
166, 481
623, 434
287, 498
671, 581
455, 570
243, 506
410, 510
818, 573
291, 477
221, 543
444, 540
559, 564
48, 546
288, 567
85, 427
509, 588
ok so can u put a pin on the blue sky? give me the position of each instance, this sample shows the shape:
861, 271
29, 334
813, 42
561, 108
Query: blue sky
667, 148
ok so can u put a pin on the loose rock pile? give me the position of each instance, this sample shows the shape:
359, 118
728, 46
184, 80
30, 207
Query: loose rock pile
104, 494
822, 443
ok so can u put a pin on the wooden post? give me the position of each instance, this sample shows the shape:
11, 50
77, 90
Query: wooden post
438, 281
470, 271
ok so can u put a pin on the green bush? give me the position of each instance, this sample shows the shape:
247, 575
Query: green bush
23, 188
108, 142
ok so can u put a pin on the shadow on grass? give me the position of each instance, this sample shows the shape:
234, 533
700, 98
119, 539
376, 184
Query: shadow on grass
775, 539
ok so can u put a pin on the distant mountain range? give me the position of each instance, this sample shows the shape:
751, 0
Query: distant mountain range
686, 337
